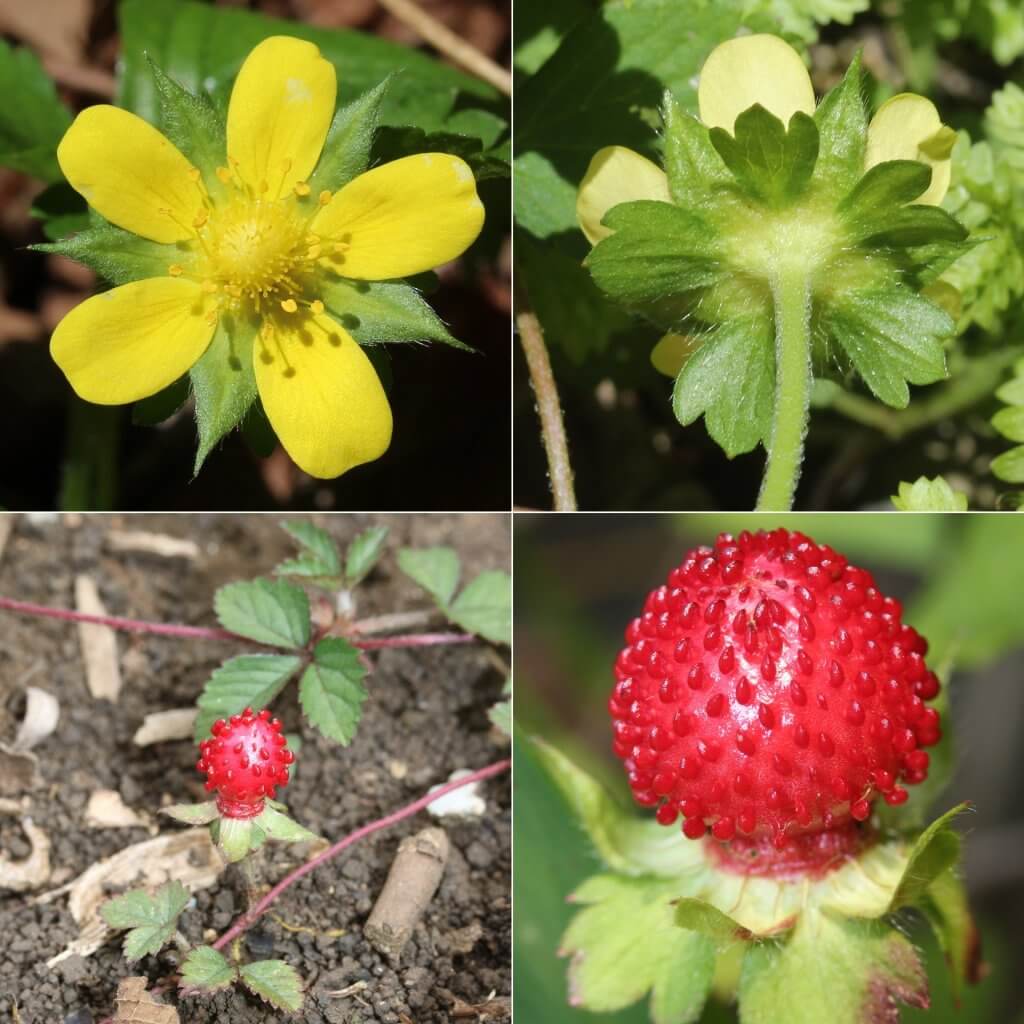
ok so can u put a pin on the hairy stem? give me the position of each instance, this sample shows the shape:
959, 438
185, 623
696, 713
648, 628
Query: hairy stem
211, 633
792, 390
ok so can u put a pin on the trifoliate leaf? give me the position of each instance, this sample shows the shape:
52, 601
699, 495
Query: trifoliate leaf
864, 967
925, 495
192, 814
275, 982
485, 607
363, 553
770, 162
151, 918
331, 689
269, 611
319, 557
842, 131
247, 681
206, 969
730, 380
346, 152
434, 569
625, 943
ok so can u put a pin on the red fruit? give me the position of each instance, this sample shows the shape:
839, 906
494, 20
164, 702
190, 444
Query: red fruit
770, 691
245, 760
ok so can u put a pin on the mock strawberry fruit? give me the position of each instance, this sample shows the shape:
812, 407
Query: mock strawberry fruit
245, 759
770, 691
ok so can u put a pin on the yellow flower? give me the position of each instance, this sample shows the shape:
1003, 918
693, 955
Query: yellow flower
739, 73
250, 245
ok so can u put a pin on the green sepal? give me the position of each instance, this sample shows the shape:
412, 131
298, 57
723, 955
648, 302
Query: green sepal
894, 182
863, 968
277, 825
224, 382
194, 126
626, 943
945, 905
192, 814
376, 312
700, 916
119, 256
892, 336
771, 163
693, 167
936, 850
657, 250
910, 226
234, 837
842, 131
730, 380
206, 969
924, 495
346, 153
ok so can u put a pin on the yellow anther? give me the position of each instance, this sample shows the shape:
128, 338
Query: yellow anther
194, 173
224, 174
339, 247
289, 305
312, 239
325, 197
317, 306
175, 270
201, 218
209, 286
301, 188
314, 252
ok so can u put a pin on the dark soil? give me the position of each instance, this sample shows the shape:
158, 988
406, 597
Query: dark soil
427, 711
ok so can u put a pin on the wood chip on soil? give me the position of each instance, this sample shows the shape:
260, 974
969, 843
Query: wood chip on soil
152, 544
99, 643
34, 870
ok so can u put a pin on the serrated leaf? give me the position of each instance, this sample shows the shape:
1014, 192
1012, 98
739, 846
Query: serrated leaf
223, 382
381, 312
318, 552
279, 826
625, 942
332, 691
246, 681
275, 982
272, 612
770, 161
151, 918
863, 968
484, 607
730, 380
192, 814
206, 969
700, 916
434, 569
842, 131
892, 336
32, 117
924, 495
363, 553
657, 250
346, 152
936, 850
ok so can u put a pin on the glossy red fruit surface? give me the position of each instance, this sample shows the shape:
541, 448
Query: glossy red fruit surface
769, 690
245, 759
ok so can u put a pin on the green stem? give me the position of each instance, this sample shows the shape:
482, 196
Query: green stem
792, 389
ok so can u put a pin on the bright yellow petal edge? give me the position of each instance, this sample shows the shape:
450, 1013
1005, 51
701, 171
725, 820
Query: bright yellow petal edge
753, 69
616, 175
908, 127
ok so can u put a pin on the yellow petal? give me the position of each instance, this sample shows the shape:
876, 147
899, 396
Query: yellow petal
908, 127
127, 171
753, 69
670, 354
322, 395
616, 175
130, 342
402, 218
281, 107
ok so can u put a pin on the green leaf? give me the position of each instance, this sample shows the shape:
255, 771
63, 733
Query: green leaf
434, 569
925, 495
206, 969
376, 312
946, 907
151, 918
280, 827
730, 380
626, 943
892, 336
1010, 423
246, 681
223, 382
363, 553
62, 211
692, 165
319, 556
275, 982
192, 814
346, 153
699, 916
501, 716
770, 162
657, 250
485, 607
117, 256
332, 690
935, 851
1010, 465
859, 969
32, 118
273, 612
842, 131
